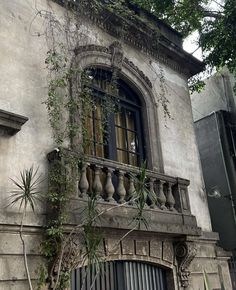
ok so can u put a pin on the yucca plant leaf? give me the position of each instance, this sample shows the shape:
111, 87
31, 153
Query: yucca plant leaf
26, 191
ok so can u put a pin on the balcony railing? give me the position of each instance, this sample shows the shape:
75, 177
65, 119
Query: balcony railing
116, 184
113, 182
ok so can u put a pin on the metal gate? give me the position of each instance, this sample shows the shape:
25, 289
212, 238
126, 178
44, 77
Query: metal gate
120, 275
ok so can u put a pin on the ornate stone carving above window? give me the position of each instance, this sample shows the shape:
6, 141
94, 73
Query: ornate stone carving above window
116, 55
10, 123
144, 32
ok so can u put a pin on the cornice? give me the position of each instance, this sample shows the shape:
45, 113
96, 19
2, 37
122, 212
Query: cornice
148, 40
11, 123
142, 31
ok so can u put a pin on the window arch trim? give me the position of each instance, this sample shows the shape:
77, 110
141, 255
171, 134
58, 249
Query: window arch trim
101, 57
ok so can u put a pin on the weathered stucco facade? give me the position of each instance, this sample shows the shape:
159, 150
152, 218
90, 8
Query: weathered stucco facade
170, 143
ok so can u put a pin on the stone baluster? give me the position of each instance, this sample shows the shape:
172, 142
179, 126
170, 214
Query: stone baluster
152, 193
97, 185
83, 182
109, 187
161, 198
120, 188
169, 197
131, 193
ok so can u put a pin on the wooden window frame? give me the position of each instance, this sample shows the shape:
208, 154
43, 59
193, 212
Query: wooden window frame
132, 103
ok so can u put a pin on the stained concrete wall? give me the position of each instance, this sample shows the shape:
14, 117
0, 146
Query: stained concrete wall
217, 95
23, 89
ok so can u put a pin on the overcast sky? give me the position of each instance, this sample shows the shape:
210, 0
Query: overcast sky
190, 45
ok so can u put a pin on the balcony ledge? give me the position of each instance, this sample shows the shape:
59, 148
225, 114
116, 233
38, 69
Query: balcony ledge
122, 217
114, 185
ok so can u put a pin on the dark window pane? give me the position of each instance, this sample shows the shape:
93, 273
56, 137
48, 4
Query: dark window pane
121, 141
130, 120
120, 119
133, 159
100, 150
89, 136
122, 156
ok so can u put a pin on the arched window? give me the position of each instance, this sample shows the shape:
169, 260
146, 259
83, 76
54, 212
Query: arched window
114, 125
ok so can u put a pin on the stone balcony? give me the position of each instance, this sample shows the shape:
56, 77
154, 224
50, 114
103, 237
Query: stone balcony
115, 187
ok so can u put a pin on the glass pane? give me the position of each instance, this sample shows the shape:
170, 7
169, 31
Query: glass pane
120, 119
132, 142
96, 82
98, 111
88, 136
133, 159
121, 141
98, 131
122, 156
130, 117
100, 150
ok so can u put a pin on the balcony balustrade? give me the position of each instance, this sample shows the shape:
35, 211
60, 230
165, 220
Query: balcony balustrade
113, 182
116, 183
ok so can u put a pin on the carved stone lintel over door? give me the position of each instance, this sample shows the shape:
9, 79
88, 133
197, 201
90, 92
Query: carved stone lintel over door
185, 253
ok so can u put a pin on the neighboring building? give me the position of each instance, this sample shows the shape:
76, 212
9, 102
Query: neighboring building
147, 60
215, 124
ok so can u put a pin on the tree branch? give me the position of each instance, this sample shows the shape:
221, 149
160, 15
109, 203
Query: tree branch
212, 14
24, 251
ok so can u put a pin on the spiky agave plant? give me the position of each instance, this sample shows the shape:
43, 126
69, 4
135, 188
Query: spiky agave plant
26, 193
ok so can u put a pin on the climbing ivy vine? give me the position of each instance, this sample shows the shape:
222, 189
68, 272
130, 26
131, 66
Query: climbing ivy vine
64, 101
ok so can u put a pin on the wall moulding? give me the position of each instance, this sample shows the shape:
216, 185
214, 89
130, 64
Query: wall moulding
11, 123
115, 53
145, 33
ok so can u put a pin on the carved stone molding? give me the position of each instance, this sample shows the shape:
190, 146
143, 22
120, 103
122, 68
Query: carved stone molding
143, 31
92, 47
116, 54
148, 38
142, 75
185, 253
11, 123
